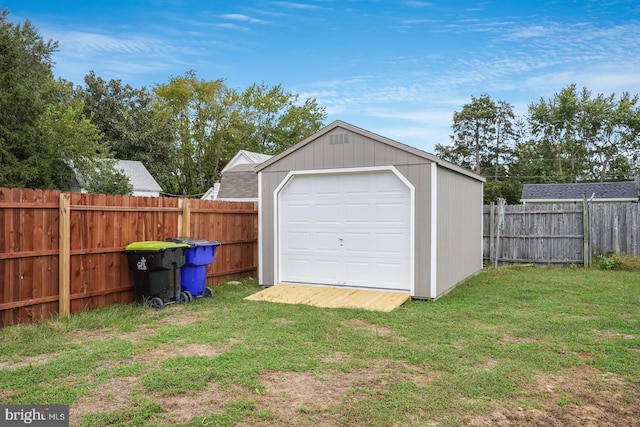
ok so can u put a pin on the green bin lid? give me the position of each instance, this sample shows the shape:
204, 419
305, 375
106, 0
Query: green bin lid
154, 245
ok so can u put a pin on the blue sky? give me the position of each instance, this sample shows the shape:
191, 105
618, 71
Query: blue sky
396, 68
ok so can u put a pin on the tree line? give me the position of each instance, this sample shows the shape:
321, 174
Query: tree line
575, 136
184, 131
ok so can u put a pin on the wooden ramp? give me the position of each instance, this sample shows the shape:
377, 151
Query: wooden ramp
320, 296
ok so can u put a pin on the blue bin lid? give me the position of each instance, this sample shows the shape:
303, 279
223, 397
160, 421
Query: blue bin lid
191, 241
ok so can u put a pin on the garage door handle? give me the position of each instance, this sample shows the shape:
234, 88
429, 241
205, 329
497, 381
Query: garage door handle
341, 241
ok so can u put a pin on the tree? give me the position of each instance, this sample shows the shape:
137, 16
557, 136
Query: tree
202, 115
213, 122
474, 131
71, 144
611, 131
588, 138
133, 128
26, 81
556, 124
484, 132
105, 178
273, 120
482, 135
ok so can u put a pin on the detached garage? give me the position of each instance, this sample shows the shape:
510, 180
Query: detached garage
349, 208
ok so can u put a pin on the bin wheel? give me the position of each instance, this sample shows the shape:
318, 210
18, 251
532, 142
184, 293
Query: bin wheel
156, 303
208, 292
185, 297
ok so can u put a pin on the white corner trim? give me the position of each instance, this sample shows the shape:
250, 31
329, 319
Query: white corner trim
433, 267
260, 231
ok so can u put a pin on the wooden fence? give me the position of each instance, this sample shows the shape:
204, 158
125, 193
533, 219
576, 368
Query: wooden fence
570, 233
62, 253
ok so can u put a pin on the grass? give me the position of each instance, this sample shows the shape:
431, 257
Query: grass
523, 344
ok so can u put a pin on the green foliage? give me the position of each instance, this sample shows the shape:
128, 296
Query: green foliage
102, 177
212, 122
133, 128
25, 78
483, 132
509, 190
610, 261
585, 138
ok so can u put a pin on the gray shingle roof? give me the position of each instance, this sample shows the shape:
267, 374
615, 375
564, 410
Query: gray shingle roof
239, 182
138, 175
599, 190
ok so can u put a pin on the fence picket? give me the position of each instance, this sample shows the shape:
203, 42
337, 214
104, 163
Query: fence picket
40, 249
555, 233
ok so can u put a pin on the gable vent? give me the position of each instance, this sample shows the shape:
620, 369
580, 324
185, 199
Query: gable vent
339, 138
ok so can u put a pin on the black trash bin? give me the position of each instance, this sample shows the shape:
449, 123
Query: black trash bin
193, 275
156, 265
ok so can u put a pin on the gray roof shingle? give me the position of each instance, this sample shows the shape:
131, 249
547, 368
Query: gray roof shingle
597, 190
138, 175
239, 182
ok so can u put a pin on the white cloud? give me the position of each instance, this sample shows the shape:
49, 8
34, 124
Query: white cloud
243, 18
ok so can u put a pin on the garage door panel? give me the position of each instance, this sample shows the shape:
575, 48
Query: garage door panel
327, 272
357, 213
387, 213
327, 213
355, 228
391, 244
358, 243
326, 242
298, 241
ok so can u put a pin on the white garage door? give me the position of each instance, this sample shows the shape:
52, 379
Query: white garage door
350, 229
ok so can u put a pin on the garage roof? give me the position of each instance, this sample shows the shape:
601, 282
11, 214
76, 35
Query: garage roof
376, 137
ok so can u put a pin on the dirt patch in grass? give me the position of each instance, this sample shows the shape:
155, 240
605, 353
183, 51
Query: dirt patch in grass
25, 361
187, 406
181, 318
114, 396
585, 397
299, 398
163, 352
611, 335
378, 330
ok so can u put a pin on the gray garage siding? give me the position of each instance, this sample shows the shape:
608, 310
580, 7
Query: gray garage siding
459, 232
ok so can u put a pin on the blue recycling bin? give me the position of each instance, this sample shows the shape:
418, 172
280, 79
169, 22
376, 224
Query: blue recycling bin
193, 274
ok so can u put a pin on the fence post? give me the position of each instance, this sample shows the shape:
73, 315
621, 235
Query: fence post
492, 230
186, 218
586, 226
64, 256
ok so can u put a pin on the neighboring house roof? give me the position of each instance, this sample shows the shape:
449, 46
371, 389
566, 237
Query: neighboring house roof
245, 157
596, 191
212, 192
139, 176
140, 179
239, 183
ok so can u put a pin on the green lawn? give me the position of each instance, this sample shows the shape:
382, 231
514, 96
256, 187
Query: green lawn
516, 346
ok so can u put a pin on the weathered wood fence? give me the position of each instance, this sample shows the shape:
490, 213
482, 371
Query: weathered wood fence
570, 233
62, 253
